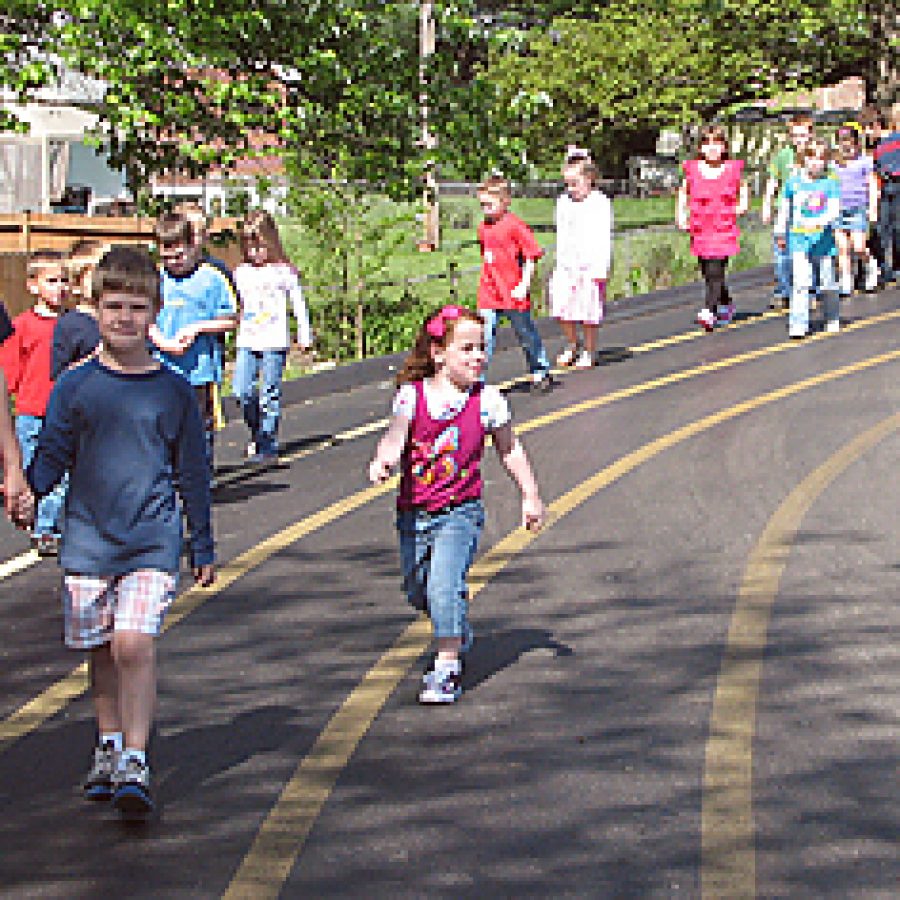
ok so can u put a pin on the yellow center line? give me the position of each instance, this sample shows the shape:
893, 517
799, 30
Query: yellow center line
281, 836
727, 829
45, 705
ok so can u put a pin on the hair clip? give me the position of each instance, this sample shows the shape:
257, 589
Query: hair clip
437, 324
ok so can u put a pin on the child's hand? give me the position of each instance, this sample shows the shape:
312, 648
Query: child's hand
781, 240
204, 575
379, 470
532, 513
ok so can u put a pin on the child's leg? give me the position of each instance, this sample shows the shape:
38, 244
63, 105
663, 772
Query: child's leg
714, 276
453, 549
273, 362
105, 690
246, 369
829, 288
570, 332
530, 342
135, 663
591, 337
782, 273
203, 393
842, 239
489, 317
801, 277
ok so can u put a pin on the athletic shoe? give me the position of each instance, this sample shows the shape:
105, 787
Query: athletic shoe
797, 333
585, 360
778, 302
567, 357
132, 796
440, 686
99, 782
833, 326
45, 544
706, 319
871, 276
250, 452
543, 384
725, 314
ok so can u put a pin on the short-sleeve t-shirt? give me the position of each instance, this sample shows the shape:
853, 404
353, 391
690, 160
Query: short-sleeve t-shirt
494, 408
811, 202
201, 296
505, 244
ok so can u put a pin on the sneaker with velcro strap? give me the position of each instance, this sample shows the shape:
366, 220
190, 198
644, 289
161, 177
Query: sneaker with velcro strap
99, 783
132, 797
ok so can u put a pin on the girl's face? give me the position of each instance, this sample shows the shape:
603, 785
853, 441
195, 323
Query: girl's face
814, 165
848, 147
257, 252
577, 183
712, 150
462, 360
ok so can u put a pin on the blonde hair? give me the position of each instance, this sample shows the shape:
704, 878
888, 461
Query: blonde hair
419, 363
259, 227
83, 257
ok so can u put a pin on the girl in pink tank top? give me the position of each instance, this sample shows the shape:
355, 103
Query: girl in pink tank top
712, 196
441, 416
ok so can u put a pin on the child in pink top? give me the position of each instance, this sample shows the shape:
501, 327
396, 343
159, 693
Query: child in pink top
712, 196
442, 413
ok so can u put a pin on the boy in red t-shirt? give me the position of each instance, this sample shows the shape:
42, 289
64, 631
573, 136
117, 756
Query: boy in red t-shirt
25, 360
509, 252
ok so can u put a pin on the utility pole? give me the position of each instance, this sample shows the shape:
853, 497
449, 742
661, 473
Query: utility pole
431, 231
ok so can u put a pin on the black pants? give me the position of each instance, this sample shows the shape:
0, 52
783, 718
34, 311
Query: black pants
714, 275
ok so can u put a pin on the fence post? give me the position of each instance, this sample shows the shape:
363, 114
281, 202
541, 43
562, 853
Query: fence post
360, 323
453, 275
26, 234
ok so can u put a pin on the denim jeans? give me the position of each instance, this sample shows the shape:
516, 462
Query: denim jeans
526, 331
782, 271
805, 268
436, 550
261, 407
49, 510
888, 230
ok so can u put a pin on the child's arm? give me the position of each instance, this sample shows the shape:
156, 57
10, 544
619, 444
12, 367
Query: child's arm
15, 487
743, 198
512, 456
520, 291
769, 198
681, 208
301, 314
604, 226
192, 477
55, 453
874, 193
781, 220
390, 449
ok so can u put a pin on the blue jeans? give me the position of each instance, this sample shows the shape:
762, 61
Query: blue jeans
526, 331
782, 271
261, 407
888, 229
436, 550
49, 510
806, 267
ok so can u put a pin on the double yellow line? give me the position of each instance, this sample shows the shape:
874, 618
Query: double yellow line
282, 835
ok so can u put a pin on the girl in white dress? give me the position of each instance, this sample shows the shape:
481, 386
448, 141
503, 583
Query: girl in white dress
583, 253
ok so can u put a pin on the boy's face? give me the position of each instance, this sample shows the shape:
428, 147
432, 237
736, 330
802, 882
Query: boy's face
179, 258
493, 205
814, 165
124, 320
50, 284
577, 182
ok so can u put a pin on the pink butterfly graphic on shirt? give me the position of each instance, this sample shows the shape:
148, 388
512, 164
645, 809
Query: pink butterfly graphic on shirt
435, 462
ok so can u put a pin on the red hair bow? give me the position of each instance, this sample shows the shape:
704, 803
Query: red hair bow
437, 324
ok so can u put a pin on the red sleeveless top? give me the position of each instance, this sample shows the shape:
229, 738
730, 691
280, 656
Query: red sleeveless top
441, 465
713, 206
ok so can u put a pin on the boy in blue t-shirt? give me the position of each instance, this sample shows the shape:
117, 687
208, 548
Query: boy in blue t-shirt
809, 207
128, 432
199, 305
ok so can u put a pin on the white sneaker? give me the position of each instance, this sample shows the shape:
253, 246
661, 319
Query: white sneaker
250, 451
585, 360
833, 326
567, 357
871, 275
797, 333
706, 318
441, 686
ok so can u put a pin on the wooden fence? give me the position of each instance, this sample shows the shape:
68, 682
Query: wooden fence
23, 234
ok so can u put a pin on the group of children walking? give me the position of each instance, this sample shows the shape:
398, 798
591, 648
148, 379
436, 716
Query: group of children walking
116, 398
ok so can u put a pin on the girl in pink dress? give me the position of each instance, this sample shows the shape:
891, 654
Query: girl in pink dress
712, 196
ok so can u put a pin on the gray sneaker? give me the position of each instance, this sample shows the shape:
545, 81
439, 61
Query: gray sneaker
132, 796
99, 783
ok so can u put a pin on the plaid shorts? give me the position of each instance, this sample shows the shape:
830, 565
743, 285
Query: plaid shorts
96, 605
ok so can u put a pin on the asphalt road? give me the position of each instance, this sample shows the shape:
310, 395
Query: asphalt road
685, 684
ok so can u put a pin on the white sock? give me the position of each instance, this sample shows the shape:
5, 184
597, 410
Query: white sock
112, 737
137, 755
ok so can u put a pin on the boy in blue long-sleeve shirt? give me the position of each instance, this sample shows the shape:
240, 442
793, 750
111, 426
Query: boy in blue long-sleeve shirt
128, 430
